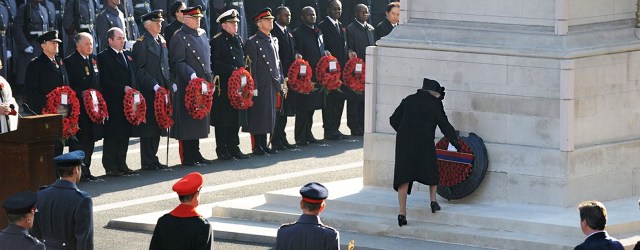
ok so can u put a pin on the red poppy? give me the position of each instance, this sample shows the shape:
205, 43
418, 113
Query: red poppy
96, 109
70, 122
240, 97
300, 83
136, 113
328, 79
129, 57
162, 108
453, 173
198, 104
353, 79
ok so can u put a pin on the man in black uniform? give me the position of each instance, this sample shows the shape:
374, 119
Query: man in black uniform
21, 209
117, 76
183, 227
392, 19
83, 75
64, 217
152, 60
79, 16
286, 51
335, 41
227, 55
309, 44
309, 232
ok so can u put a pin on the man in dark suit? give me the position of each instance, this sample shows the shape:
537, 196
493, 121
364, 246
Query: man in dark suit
117, 76
190, 57
21, 210
64, 217
309, 44
593, 220
83, 75
335, 41
183, 227
151, 57
227, 55
309, 232
286, 51
392, 19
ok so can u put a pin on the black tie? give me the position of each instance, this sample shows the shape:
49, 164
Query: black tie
124, 61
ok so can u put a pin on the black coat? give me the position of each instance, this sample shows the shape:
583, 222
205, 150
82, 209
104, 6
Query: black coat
309, 44
600, 240
83, 75
65, 215
287, 48
173, 232
415, 120
170, 30
152, 63
307, 233
360, 37
227, 55
42, 77
114, 76
383, 29
334, 41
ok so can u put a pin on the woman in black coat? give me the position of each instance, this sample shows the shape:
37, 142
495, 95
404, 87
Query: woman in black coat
415, 121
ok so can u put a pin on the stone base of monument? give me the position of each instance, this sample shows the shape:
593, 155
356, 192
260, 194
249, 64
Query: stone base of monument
368, 216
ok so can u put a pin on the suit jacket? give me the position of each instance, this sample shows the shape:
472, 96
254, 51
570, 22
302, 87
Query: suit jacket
335, 41
307, 233
42, 77
383, 29
600, 240
83, 75
114, 76
309, 44
287, 48
152, 61
65, 216
16, 237
359, 38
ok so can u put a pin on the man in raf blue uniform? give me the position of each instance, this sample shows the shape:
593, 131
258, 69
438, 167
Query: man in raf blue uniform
79, 16
308, 232
183, 227
227, 55
65, 214
151, 57
110, 17
21, 210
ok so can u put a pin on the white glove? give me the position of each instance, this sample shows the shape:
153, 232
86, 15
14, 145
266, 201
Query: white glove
174, 87
9, 55
155, 88
193, 76
255, 92
128, 44
29, 50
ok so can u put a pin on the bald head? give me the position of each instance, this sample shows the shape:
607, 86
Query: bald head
308, 16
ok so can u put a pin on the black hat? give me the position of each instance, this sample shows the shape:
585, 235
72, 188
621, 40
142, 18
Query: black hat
428, 84
263, 14
70, 159
20, 203
49, 36
195, 11
175, 7
314, 193
155, 16
228, 16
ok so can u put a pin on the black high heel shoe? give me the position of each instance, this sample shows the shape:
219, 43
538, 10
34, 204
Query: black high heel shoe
402, 220
435, 207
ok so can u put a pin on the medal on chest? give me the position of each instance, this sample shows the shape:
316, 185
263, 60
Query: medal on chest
86, 69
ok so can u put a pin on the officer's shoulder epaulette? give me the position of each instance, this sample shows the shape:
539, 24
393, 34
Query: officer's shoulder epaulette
44, 187
140, 38
34, 240
217, 35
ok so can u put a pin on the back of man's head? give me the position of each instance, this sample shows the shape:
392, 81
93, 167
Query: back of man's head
594, 214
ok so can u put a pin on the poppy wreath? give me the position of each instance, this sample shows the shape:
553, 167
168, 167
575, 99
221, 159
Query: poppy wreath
198, 104
135, 113
70, 122
162, 108
327, 79
98, 113
453, 173
353, 80
296, 82
240, 97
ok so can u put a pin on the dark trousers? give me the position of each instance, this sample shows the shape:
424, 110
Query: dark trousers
355, 116
227, 140
86, 143
258, 140
114, 152
190, 151
279, 136
332, 112
304, 121
149, 149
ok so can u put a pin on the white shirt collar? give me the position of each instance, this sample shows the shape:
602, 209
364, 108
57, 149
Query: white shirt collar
117, 52
363, 24
281, 27
333, 21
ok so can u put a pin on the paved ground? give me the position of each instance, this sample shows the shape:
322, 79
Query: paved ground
150, 191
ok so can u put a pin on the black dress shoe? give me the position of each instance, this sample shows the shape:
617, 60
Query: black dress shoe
302, 143
333, 137
240, 155
149, 167
358, 132
225, 156
259, 151
278, 147
114, 173
91, 177
314, 140
289, 145
128, 171
189, 163
270, 151
160, 165
342, 136
204, 161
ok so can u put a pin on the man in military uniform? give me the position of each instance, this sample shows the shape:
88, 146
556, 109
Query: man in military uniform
392, 19
79, 16
141, 8
335, 41
204, 9
262, 49
190, 57
5, 24
309, 232
152, 60
309, 44
183, 227
21, 209
111, 17
286, 50
117, 76
64, 217
176, 12
227, 55
59, 6
83, 75
33, 19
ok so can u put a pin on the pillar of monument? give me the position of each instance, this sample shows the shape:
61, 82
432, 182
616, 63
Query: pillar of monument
552, 86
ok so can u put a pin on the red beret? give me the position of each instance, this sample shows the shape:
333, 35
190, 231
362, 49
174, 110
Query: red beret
189, 184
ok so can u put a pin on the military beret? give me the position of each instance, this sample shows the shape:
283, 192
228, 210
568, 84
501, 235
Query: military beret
228, 16
175, 7
20, 203
195, 11
48, 36
70, 159
314, 192
263, 14
189, 184
155, 16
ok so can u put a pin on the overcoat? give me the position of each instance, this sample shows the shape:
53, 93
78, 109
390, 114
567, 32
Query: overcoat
189, 53
287, 48
43, 76
16, 237
415, 120
383, 29
29, 24
309, 44
307, 233
227, 55
114, 76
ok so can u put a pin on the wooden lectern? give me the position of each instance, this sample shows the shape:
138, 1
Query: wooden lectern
26, 156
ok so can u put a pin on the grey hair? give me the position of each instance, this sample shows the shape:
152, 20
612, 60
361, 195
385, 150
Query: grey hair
78, 37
